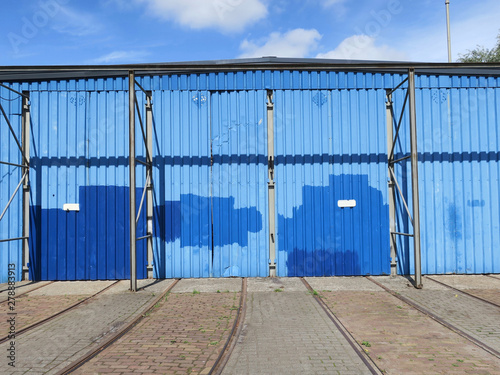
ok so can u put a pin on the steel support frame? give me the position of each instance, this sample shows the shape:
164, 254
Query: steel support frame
24, 148
148, 188
391, 142
271, 184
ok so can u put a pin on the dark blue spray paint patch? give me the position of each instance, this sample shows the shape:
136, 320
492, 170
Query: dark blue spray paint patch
453, 222
322, 239
190, 220
91, 244
476, 203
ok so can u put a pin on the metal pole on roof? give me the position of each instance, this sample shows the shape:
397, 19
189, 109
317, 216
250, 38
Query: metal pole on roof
414, 177
133, 239
447, 2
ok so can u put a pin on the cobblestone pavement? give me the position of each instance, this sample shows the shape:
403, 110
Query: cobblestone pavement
478, 319
57, 343
42, 303
183, 335
481, 286
21, 287
285, 331
401, 340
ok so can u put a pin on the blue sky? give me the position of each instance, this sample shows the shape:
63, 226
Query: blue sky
52, 32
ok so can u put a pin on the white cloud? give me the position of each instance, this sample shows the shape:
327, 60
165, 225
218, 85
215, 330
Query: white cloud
76, 23
294, 43
363, 47
224, 15
120, 57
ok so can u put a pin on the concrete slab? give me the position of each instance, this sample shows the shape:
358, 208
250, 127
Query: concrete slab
401, 283
267, 284
208, 285
468, 281
155, 286
61, 288
152, 286
342, 283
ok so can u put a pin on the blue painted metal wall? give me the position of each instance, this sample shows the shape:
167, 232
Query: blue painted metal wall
11, 224
239, 183
78, 156
459, 155
210, 175
330, 146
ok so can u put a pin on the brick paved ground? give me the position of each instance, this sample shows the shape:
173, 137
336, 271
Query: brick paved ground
32, 309
183, 335
404, 341
39, 304
287, 332
478, 319
481, 286
57, 343
21, 287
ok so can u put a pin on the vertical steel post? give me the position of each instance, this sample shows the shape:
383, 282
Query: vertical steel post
25, 142
392, 193
447, 3
414, 177
270, 184
149, 180
133, 239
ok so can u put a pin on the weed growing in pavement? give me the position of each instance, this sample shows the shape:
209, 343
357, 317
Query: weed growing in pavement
399, 307
366, 343
278, 290
182, 356
214, 343
186, 342
173, 341
218, 291
460, 360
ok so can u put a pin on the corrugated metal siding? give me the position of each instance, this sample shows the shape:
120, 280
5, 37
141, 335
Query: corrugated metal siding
183, 246
78, 156
459, 154
331, 145
239, 183
215, 216
329, 142
11, 223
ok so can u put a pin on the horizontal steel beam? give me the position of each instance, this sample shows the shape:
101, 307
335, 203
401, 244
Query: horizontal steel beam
14, 164
401, 159
402, 234
14, 239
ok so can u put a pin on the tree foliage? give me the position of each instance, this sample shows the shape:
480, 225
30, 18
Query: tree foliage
481, 54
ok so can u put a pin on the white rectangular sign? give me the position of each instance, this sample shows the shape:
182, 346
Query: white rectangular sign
347, 203
71, 207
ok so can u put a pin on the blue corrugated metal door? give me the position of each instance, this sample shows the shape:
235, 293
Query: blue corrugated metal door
330, 145
79, 140
183, 247
239, 183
